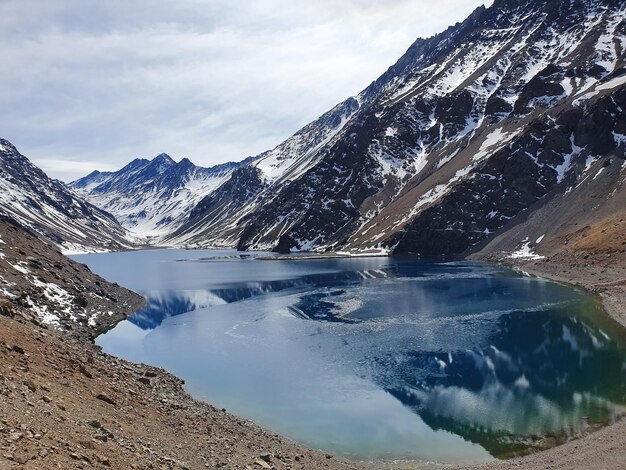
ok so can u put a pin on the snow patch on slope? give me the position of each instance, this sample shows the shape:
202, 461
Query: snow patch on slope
525, 252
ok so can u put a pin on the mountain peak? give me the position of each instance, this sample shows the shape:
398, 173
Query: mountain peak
185, 162
141, 193
163, 158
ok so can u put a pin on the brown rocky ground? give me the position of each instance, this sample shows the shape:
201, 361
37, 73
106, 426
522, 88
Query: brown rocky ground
65, 404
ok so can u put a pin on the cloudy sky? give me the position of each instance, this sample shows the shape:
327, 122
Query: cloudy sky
92, 84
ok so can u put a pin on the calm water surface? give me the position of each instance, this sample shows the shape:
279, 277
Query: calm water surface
378, 357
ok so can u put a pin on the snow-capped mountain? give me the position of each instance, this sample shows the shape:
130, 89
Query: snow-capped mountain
469, 132
46, 206
152, 197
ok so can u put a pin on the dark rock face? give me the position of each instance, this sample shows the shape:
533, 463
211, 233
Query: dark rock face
497, 190
497, 106
537, 87
246, 178
596, 128
469, 129
341, 183
46, 206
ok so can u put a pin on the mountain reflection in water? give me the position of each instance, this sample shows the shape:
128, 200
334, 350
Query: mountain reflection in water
509, 395
506, 362
318, 289
161, 305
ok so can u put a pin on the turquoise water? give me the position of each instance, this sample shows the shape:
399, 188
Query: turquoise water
376, 357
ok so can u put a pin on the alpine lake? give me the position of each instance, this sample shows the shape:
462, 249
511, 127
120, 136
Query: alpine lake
376, 358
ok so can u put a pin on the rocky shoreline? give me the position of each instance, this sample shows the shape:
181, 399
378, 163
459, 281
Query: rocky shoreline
39, 285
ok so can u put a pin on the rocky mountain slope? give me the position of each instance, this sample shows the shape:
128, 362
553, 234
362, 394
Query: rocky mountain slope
42, 286
47, 207
153, 197
466, 135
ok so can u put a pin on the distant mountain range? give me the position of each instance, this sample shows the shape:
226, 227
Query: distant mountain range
501, 133
153, 197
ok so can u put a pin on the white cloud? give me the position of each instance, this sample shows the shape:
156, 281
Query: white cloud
72, 168
104, 82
